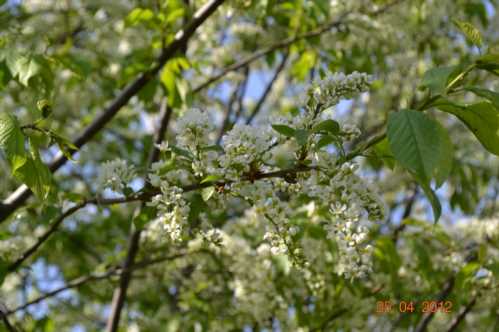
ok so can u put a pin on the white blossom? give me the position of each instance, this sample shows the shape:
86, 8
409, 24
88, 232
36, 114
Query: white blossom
173, 214
193, 129
115, 175
328, 91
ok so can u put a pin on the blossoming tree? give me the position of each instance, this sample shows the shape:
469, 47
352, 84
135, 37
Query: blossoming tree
185, 165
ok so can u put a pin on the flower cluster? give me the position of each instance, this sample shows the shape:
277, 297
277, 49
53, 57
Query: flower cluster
116, 175
241, 166
244, 146
328, 91
173, 213
194, 126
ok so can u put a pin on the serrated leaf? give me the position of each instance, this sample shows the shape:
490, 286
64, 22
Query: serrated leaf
23, 67
481, 118
492, 96
206, 193
329, 125
12, 141
284, 130
470, 32
418, 143
433, 198
35, 174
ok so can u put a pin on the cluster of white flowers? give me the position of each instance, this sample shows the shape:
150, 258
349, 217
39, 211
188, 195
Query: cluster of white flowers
194, 128
253, 285
342, 200
243, 146
350, 132
115, 175
328, 91
11, 248
173, 213
246, 29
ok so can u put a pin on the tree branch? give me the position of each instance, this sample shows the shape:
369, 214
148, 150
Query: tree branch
22, 193
266, 93
462, 315
3, 315
94, 277
423, 324
284, 44
134, 241
230, 105
263, 52
53, 227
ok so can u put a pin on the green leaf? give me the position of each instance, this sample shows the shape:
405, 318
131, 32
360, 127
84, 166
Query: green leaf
489, 62
436, 79
211, 178
5, 75
23, 67
214, 147
171, 79
445, 162
12, 141
301, 136
329, 125
284, 130
35, 174
325, 140
139, 15
481, 118
182, 152
66, 146
432, 197
382, 151
419, 144
470, 32
206, 193
490, 95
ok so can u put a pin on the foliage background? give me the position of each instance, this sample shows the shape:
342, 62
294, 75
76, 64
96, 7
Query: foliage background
73, 59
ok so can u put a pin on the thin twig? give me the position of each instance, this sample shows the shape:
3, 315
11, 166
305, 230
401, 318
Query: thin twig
5, 320
331, 318
53, 227
230, 107
425, 321
462, 315
284, 44
94, 277
266, 93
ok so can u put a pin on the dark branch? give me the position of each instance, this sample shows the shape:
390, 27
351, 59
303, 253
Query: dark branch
423, 324
462, 315
230, 106
53, 227
266, 93
115, 270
